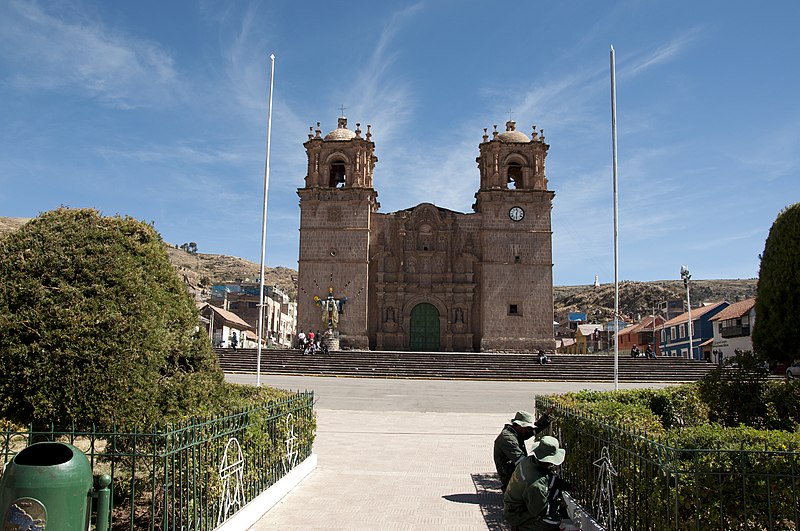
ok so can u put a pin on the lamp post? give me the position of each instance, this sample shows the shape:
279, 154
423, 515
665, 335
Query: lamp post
686, 276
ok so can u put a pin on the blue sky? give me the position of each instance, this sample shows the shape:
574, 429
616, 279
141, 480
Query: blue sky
158, 110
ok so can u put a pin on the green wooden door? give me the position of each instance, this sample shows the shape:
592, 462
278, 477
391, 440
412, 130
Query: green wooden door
424, 327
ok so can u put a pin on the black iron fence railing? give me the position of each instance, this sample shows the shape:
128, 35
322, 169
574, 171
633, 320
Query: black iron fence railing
629, 481
192, 475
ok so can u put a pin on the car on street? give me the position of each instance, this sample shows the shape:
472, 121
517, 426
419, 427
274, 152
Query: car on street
793, 370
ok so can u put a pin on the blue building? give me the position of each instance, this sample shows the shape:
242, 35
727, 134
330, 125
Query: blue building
674, 339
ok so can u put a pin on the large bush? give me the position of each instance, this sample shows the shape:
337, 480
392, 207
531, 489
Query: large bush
740, 393
95, 325
735, 391
776, 334
651, 410
685, 473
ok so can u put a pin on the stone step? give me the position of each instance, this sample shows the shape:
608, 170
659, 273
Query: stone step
462, 365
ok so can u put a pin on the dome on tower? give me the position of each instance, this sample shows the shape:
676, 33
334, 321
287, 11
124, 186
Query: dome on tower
341, 132
511, 134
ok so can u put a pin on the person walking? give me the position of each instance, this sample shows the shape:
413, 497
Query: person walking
509, 446
234, 341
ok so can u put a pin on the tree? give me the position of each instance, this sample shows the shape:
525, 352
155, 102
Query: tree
735, 391
776, 334
96, 326
190, 247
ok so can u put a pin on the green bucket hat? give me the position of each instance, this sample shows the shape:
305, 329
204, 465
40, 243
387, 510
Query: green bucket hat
523, 418
546, 450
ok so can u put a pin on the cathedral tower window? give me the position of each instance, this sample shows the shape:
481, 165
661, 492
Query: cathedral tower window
514, 175
338, 174
426, 238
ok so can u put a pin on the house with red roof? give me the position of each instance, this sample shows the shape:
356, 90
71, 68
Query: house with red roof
674, 340
641, 334
733, 327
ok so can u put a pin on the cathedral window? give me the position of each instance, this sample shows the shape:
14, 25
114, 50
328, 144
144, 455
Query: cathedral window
426, 239
513, 309
338, 177
514, 175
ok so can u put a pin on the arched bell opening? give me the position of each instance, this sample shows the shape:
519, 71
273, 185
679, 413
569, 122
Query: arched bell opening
338, 174
514, 179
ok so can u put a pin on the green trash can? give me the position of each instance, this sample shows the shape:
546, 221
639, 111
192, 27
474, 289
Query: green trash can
46, 487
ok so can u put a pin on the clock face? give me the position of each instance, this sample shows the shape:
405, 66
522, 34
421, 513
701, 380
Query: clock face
516, 213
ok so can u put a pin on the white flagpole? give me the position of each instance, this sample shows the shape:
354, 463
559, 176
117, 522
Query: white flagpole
264, 228
616, 241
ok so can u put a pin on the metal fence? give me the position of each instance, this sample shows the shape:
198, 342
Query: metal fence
193, 475
629, 481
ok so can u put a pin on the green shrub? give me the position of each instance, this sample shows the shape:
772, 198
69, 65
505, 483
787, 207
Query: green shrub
775, 332
614, 408
96, 326
735, 391
714, 436
674, 406
700, 476
782, 405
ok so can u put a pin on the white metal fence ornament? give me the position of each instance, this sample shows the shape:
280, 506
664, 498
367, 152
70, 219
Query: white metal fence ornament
290, 460
231, 471
603, 502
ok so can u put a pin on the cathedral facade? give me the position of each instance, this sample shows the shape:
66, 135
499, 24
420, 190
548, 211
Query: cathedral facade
428, 278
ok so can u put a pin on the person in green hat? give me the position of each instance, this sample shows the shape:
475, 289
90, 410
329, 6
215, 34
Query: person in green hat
532, 499
509, 446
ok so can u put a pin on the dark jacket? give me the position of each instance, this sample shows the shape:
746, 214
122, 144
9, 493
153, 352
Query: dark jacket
531, 501
509, 447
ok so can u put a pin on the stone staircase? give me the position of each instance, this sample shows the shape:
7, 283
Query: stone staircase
463, 365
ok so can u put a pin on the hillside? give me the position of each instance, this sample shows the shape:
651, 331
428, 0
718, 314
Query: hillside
638, 298
11, 224
201, 270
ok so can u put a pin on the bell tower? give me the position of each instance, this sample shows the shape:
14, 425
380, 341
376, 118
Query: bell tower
335, 207
516, 239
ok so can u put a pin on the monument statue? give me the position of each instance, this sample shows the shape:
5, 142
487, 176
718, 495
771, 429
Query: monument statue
331, 308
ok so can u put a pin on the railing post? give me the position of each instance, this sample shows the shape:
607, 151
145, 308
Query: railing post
103, 495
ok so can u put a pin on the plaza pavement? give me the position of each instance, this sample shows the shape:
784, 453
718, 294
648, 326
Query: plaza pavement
404, 454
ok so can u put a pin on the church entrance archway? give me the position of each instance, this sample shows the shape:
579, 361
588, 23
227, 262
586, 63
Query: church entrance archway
424, 329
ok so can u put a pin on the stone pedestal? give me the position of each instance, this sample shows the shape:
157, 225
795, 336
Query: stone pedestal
331, 341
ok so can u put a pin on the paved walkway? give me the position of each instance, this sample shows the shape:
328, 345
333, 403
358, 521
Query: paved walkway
397, 470
416, 469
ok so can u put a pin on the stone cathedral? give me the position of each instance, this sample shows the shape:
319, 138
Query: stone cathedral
428, 278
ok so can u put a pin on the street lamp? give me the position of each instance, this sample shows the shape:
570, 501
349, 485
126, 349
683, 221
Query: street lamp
686, 276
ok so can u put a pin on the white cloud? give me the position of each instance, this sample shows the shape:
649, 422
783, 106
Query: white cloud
384, 97
180, 153
664, 53
45, 52
771, 157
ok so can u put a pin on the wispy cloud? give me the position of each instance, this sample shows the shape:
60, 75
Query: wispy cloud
772, 156
443, 174
666, 52
385, 98
181, 153
44, 52
244, 94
